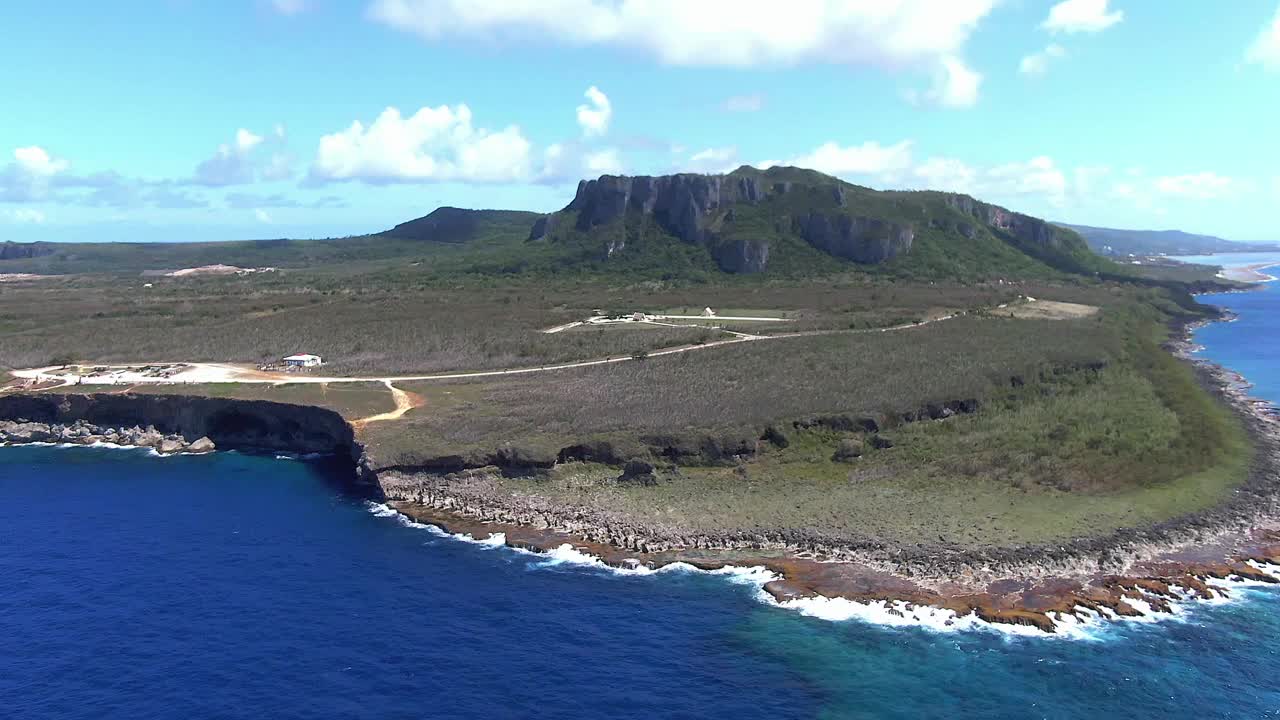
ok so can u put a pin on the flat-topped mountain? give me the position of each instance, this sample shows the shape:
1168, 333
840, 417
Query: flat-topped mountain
784, 218
779, 221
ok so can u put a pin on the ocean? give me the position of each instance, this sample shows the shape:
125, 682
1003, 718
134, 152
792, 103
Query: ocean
243, 586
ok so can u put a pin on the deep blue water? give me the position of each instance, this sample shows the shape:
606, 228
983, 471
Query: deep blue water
1251, 344
233, 586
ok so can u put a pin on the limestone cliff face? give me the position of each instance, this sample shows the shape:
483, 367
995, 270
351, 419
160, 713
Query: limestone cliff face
18, 251
682, 204
742, 256
700, 210
860, 239
257, 424
1030, 230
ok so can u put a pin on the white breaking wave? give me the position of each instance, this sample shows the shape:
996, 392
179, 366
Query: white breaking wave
1086, 624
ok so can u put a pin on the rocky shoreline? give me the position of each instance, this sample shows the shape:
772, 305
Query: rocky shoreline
1126, 573
1117, 575
83, 433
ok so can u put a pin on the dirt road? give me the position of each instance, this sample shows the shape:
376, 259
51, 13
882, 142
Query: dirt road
229, 373
405, 401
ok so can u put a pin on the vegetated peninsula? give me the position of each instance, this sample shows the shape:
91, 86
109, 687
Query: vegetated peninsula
914, 397
1115, 242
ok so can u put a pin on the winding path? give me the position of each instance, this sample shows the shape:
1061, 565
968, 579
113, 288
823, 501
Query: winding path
405, 401
206, 372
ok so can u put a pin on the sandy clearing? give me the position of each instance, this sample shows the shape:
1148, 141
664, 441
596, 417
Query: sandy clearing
199, 372
1048, 310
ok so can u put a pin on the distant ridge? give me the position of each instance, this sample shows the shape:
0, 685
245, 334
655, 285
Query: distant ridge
780, 221
1117, 242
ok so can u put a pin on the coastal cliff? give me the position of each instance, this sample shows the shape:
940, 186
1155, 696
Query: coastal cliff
182, 423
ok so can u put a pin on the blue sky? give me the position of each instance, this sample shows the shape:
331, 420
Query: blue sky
191, 120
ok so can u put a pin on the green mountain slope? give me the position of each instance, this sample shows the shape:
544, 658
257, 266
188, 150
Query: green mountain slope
781, 221
790, 221
444, 232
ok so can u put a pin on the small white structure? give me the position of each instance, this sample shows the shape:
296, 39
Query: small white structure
303, 360
708, 312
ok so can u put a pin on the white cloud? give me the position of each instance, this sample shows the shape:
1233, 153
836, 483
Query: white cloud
37, 161
233, 164
279, 167
246, 141
433, 144
1038, 177
31, 174
943, 173
1076, 16
893, 166
912, 34
955, 85
594, 118
712, 161
571, 161
1037, 63
1265, 50
1195, 186
869, 159
743, 103
29, 216
603, 162
262, 216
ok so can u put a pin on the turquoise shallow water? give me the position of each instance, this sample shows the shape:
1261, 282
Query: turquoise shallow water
233, 586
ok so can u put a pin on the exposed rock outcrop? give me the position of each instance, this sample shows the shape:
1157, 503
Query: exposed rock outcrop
1027, 229
698, 209
19, 251
860, 239
742, 256
682, 204
225, 423
83, 433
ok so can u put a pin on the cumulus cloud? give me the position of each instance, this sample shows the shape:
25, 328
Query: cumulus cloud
603, 162
1195, 186
955, 85
37, 161
571, 161
1265, 50
914, 34
30, 175
1081, 16
711, 161
594, 117
743, 103
867, 159
1037, 63
236, 162
433, 144
894, 166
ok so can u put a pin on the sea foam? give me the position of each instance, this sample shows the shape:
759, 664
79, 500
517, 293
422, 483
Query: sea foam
1085, 624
